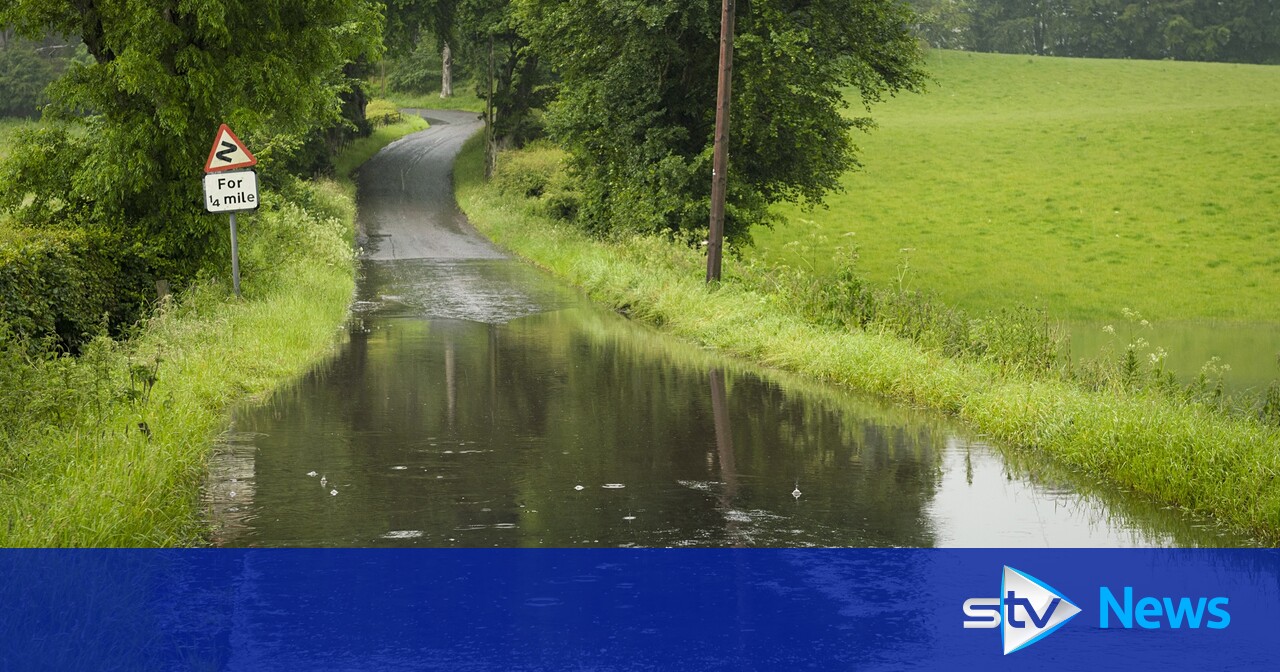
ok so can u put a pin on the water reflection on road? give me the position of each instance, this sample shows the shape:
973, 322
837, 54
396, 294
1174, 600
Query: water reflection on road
477, 403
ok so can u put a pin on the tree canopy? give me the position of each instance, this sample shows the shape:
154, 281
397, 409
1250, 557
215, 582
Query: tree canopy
1241, 31
163, 76
637, 89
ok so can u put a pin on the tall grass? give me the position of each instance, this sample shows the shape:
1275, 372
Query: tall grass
118, 453
110, 447
1180, 453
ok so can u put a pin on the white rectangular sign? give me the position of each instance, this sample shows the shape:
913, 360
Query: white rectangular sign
231, 191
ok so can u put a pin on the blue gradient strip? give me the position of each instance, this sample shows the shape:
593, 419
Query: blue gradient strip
614, 609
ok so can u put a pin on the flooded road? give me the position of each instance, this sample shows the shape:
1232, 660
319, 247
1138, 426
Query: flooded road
478, 403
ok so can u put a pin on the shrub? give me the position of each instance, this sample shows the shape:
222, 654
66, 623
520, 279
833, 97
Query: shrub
526, 174
382, 113
65, 286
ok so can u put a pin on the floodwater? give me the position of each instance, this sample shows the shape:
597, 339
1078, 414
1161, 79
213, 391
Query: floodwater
476, 402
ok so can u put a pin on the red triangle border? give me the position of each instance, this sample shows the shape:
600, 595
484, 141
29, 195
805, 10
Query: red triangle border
208, 164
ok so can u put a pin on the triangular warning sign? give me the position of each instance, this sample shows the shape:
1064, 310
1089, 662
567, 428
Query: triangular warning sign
228, 152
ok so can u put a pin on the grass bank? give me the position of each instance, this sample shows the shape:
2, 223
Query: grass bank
1178, 453
1083, 186
110, 448
362, 149
464, 98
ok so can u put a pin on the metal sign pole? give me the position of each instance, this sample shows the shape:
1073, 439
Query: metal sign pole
235, 257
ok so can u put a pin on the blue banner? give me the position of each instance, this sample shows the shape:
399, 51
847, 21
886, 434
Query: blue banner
629, 609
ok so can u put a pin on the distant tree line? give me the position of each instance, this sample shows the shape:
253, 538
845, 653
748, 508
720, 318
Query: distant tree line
28, 66
1237, 31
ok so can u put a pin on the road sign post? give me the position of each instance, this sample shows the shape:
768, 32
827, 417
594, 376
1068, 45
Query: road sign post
235, 257
230, 192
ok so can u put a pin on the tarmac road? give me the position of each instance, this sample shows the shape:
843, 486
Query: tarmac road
407, 209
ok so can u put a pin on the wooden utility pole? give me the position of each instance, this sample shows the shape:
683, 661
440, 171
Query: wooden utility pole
720, 159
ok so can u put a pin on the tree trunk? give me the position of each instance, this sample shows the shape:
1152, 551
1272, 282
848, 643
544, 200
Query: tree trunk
446, 72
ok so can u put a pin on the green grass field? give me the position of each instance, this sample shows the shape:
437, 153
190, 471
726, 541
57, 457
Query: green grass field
1082, 186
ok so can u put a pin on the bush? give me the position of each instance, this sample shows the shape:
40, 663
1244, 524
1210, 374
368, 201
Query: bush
63, 287
538, 173
39, 385
382, 113
526, 174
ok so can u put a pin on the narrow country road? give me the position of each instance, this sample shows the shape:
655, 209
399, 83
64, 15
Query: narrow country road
406, 201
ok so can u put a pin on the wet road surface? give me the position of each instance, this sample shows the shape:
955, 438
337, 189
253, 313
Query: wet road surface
406, 201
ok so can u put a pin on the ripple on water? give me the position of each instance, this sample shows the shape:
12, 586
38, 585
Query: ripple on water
490, 291
403, 534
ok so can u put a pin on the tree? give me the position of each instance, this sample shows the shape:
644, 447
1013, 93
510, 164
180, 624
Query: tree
1227, 30
23, 78
944, 24
408, 21
164, 75
635, 104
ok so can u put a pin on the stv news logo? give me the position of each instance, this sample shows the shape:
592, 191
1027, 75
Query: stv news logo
1027, 610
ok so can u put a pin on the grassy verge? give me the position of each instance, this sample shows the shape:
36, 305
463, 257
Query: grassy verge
113, 446
464, 98
363, 149
1180, 454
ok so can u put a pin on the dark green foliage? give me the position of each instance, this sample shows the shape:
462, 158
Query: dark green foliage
637, 90
23, 78
419, 71
1241, 31
496, 42
60, 288
163, 76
